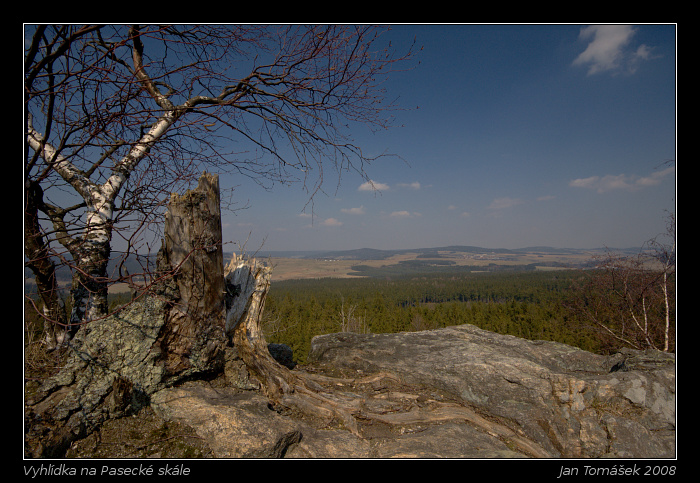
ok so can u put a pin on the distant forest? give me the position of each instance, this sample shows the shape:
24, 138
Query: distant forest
527, 304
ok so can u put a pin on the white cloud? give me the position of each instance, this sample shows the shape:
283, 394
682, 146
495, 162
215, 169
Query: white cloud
504, 203
643, 53
415, 186
373, 186
402, 214
655, 178
606, 183
612, 182
331, 222
354, 211
607, 49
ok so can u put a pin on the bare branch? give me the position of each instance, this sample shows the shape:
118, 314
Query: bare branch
123, 115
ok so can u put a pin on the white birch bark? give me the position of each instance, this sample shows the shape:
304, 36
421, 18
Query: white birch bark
90, 303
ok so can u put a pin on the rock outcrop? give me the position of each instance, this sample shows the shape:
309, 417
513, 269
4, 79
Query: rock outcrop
458, 392
111, 371
565, 401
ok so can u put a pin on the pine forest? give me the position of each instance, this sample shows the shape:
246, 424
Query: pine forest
527, 304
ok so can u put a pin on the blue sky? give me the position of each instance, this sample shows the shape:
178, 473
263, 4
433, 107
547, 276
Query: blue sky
513, 136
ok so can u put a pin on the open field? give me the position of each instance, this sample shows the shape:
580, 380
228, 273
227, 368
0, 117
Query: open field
405, 262
299, 268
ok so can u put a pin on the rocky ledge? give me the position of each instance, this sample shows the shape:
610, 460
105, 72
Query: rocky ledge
458, 392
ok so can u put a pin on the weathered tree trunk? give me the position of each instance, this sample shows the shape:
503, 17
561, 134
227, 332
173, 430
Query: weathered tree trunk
194, 336
39, 261
247, 284
89, 285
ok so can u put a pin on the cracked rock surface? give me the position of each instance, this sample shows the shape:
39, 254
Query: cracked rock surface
458, 392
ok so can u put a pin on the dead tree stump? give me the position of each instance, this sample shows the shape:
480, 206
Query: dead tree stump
193, 336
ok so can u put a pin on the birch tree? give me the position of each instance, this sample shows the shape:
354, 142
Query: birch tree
117, 117
629, 301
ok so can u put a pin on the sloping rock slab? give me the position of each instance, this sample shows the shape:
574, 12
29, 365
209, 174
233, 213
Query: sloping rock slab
241, 424
564, 401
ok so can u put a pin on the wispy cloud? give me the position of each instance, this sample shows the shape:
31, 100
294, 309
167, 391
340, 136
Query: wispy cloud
414, 186
624, 182
373, 186
354, 211
608, 49
504, 203
405, 214
331, 222
464, 214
